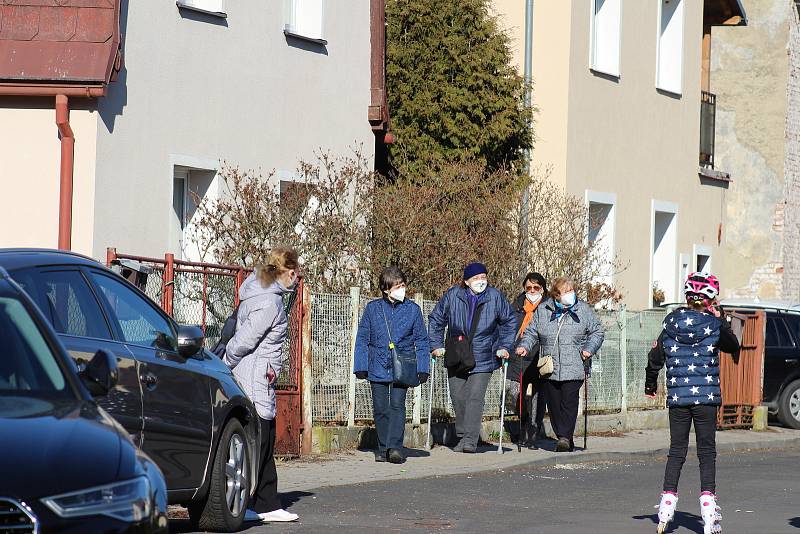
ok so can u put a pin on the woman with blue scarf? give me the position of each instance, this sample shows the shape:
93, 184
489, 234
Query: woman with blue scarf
567, 331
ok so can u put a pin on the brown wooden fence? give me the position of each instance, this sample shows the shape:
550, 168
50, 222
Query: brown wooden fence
742, 380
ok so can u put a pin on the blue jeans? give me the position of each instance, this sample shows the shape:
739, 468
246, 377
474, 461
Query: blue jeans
389, 409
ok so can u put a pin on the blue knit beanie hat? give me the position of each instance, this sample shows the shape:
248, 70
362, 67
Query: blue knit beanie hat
474, 269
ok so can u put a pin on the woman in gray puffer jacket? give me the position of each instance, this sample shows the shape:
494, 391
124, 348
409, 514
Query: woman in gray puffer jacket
567, 330
255, 354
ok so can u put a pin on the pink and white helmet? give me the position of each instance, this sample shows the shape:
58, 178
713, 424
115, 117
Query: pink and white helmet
701, 286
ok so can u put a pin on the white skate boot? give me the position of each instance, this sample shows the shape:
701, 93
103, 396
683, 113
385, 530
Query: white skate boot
711, 513
666, 510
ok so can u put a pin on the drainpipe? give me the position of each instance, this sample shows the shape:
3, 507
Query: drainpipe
67, 167
528, 153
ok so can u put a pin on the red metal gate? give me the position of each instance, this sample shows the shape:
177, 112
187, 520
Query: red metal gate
741, 381
206, 294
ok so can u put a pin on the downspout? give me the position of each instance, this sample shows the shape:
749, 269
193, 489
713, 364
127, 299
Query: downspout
528, 153
67, 168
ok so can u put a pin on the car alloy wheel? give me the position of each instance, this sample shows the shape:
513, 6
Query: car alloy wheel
236, 475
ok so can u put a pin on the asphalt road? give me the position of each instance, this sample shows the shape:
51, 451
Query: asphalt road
759, 493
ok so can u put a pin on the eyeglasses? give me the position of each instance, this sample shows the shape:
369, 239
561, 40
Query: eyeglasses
532, 287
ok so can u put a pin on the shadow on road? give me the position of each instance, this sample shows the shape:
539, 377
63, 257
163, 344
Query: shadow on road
795, 522
288, 499
682, 519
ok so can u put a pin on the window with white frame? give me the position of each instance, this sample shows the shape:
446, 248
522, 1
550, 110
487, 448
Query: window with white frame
605, 37
669, 68
664, 259
600, 233
210, 7
304, 18
702, 259
189, 188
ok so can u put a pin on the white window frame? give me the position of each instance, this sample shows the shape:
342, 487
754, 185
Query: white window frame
192, 163
675, 90
294, 25
701, 250
663, 207
609, 199
215, 8
593, 64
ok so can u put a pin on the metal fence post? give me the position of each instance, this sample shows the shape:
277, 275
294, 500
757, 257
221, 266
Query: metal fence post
355, 300
417, 404
111, 255
305, 374
623, 357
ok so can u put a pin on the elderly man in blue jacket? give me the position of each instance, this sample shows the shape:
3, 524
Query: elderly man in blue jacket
480, 313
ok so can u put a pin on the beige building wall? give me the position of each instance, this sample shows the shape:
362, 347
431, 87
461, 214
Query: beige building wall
749, 74
622, 136
30, 162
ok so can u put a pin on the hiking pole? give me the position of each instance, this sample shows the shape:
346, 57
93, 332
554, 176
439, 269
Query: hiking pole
432, 378
502, 405
519, 439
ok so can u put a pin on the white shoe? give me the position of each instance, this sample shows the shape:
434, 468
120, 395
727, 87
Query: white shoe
711, 513
666, 510
278, 516
251, 515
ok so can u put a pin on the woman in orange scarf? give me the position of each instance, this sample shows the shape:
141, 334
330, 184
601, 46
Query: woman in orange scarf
522, 376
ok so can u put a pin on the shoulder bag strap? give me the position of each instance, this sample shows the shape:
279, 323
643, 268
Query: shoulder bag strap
474, 326
558, 332
388, 330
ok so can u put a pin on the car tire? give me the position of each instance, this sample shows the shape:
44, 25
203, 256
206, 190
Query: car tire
789, 406
229, 488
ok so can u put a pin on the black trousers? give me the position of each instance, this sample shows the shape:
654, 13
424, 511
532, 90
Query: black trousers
266, 497
705, 430
563, 399
389, 410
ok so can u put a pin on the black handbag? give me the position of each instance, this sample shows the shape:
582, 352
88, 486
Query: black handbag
458, 356
404, 364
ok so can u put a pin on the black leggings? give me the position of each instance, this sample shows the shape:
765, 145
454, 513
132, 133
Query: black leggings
705, 430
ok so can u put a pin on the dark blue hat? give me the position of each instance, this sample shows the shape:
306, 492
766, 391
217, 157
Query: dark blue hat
474, 269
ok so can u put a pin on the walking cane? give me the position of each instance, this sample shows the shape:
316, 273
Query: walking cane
432, 378
519, 439
585, 403
503, 405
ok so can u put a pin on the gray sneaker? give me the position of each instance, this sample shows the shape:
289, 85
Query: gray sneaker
459, 447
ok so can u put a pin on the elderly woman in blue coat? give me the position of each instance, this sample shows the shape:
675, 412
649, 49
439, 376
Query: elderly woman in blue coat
390, 324
479, 313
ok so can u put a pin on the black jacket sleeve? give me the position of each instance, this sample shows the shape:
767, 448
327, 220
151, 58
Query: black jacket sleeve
727, 340
655, 361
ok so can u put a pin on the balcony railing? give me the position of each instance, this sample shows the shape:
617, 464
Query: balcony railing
708, 112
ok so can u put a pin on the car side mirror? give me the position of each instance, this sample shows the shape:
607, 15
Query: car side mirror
101, 374
190, 340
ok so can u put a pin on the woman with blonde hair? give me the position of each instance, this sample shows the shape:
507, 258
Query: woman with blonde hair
568, 334
255, 354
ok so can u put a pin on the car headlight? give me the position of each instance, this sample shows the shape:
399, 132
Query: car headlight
127, 501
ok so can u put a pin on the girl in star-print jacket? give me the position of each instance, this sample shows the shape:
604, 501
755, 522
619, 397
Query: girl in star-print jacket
689, 346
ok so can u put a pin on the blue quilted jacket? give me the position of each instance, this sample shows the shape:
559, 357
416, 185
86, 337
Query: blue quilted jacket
690, 341
372, 352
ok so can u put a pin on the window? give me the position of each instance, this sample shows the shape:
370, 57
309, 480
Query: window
777, 333
605, 37
664, 261
702, 259
27, 366
138, 320
210, 7
190, 188
304, 19
669, 68
66, 301
601, 232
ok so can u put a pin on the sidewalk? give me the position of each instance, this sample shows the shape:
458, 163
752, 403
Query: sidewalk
357, 467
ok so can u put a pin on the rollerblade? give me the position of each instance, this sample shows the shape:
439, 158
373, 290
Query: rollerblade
666, 510
711, 513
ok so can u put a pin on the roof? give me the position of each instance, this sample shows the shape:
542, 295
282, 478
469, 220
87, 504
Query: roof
18, 258
68, 43
768, 304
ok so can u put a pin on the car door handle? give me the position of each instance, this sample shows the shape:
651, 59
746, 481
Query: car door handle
149, 379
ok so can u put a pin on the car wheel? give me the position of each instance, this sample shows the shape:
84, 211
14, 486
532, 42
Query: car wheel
789, 408
229, 487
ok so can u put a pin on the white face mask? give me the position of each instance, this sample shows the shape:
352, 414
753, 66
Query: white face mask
569, 298
533, 298
478, 286
398, 294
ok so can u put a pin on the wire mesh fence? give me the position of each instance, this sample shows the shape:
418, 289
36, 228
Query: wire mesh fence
338, 396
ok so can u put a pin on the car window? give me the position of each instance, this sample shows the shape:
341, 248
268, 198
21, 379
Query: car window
67, 301
139, 321
793, 323
27, 365
777, 333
